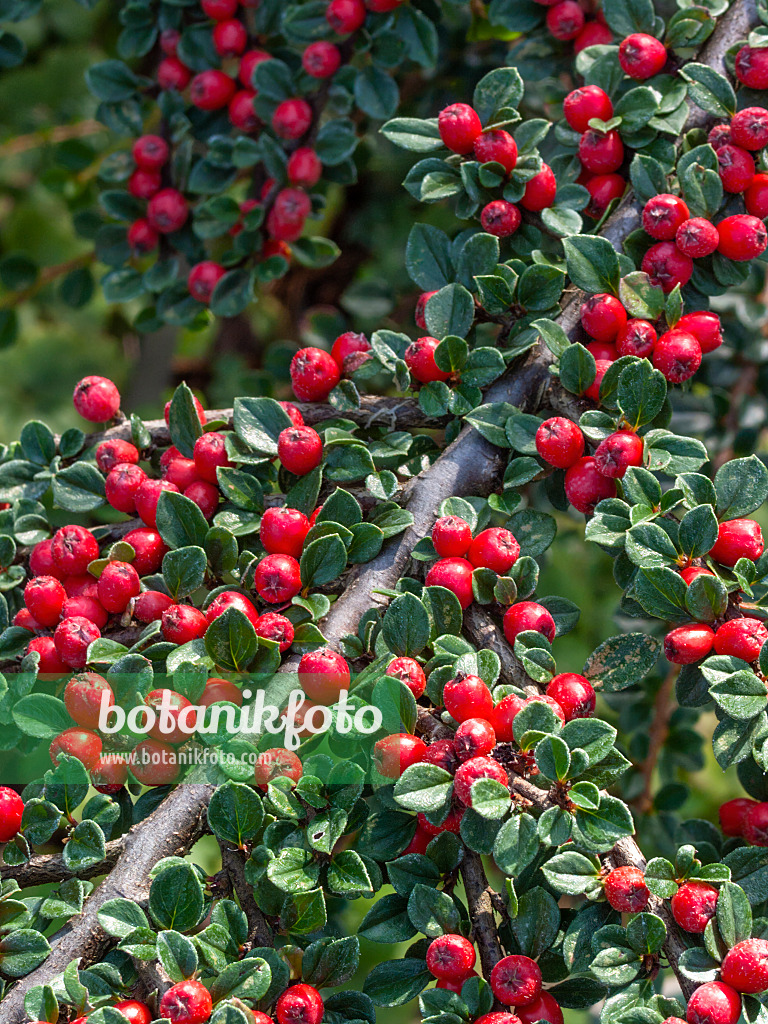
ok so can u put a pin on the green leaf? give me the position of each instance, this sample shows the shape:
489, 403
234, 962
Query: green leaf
741, 486
176, 898
78, 488
641, 393
41, 716
500, 89
396, 982
593, 263
661, 592
431, 912
235, 813
577, 368
323, 560
536, 925
710, 90
180, 522
733, 914
405, 626
231, 640
423, 788
177, 955
415, 134
698, 531
184, 571
516, 844
184, 421
622, 661
330, 962
86, 846
451, 311
571, 873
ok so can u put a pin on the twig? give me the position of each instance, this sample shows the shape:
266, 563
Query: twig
46, 275
662, 712
50, 137
259, 933
50, 867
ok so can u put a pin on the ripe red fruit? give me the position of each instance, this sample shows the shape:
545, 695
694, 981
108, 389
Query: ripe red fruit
72, 638
393, 754
276, 763
494, 549
749, 128
203, 278
277, 578
451, 957
294, 413
696, 237
172, 74
527, 615
345, 16
756, 197
219, 10
497, 1018
96, 399
714, 1003
182, 623
626, 891
169, 41
641, 56
741, 638
122, 485
409, 672
300, 1004
134, 1011
209, 453
733, 813
243, 115
167, 211
25, 620
752, 67
503, 715
150, 605
719, 136
44, 596
593, 34
705, 327
118, 583
231, 599
603, 316
559, 442
663, 214
420, 360
476, 768
540, 190
111, 453
617, 452
11, 810
688, 644
585, 485
300, 449
500, 218
50, 663
230, 38
459, 126
80, 743
176, 704
451, 536
516, 980
220, 690
455, 574
283, 530
83, 696
286, 219
742, 237
272, 626
248, 64
348, 344
736, 168
41, 562
87, 607
419, 314
636, 338
467, 697
443, 754
693, 905
667, 266
451, 824
149, 547
150, 152
603, 351
546, 1007
109, 775
147, 497
737, 538
603, 189
474, 738
181, 473
745, 967
755, 825
292, 118
601, 368
188, 1002
314, 374
565, 20
154, 763
581, 105
601, 152
574, 693
456, 984
498, 146
677, 354
211, 89
144, 184
321, 59
304, 167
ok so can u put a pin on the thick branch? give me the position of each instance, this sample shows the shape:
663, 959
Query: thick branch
50, 867
486, 635
480, 906
259, 933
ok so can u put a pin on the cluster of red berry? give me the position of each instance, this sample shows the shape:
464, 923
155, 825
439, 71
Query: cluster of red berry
582, 23
460, 554
745, 818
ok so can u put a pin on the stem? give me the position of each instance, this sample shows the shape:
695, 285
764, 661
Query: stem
50, 867
259, 933
481, 914
662, 712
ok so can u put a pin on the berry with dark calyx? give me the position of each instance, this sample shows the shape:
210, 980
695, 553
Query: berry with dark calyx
617, 452
277, 763
150, 152
498, 146
737, 538
663, 214
443, 754
451, 536
172, 74
594, 33
732, 815
602, 317
603, 189
149, 547
503, 715
574, 693
601, 152
231, 599
719, 136
272, 626
11, 811
678, 355
409, 672
182, 623
474, 738
304, 167
667, 266
745, 966
118, 583
286, 219
211, 89
203, 278
188, 1002
540, 190
242, 112
565, 20
292, 118
80, 743
560, 442
277, 578
167, 211
300, 449
420, 360
314, 374
209, 453
546, 1008
321, 59
393, 754
736, 168
455, 574
714, 1003
697, 238
230, 38
749, 128
450, 957
626, 891
741, 638
742, 237
147, 497
693, 905
345, 16
44, 596
494, 549
477, 768
601, 368
122, 485
459, 126
220, 690
527, 615
299, 1004
150, 605
642, 56
636, 338
50, 663
283, 530
96, 399
467, 697
581, 105
688, 644
72, 638
111, 453
346, 345
756, 197
516, 980
421, 309
751, 67
144, 184
585, 485
500, 218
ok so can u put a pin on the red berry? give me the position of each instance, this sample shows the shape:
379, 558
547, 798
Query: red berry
172, 74
210, 452
203, 278
636, 338
219, 10
626, 891
154, 763
697, 237
603, 316
755, 825
677, 354
211, 89
26, 620
277, 578
181, 473
134, 1011
147, 497
451, 536
143, 184
455, 574
110, 453
714, 1003
220, 690
663, 214
345, 16
559, 442
474, 738
122, 485
420, 360
736, 168
688, 644
168, 727
516, 980
500, 218
243, 115
76, 742
348, 344
585, 485
96, 399
393, 754
574, 693
44, 596
503, 716
719, 136
752, 67
450, 957
456, 984
189, 1002
617, 452
603, 189
182, 623
470, 771
546, 1008
737, 538
230, 38
749, 128
277, 763
292, 118
73, 549
540, 190
293, 413
690, 574
733, 814
167, 211
565, 20
741, 638
314, 374
581, 105
169, 41
283, 530
756, 197
272, 626
497, 1018
11, 810
693, 905
641, 56
667, 266
745, 967
118, 583
601, 367
150, 605
248, 64
150, 152
742, 237
300, 1004
300, 449
601, 152
494, 549
527, 615
41, 561
321, 59
109, 775
467, 697
50, 662
149, 547
304, 167
231, 599
419, 314
498, 146
451, 824
593, 34
409, 672
459, 126
603, 351
86, 607
443, 754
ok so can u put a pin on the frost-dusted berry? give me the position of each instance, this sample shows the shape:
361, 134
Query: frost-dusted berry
749, 128
500, 218
581, 105
516, 980
348, 344
745, 967
733, 813
282, 531
211, 89
667, 266
277, 763
742, 237
188, 1002
314, 374
150, 605
443, 754
272, 626
527, 615
737, 538
167, 211
451, 957
677, 354
11, 811
459, 126
300, 449
182, 623
736, 168
277, 578
503, 716
77, 742
230, 38
741, 638
560, 442
714, 1003
585, 485
494, 549
73, 549
321, 59
467, 697
617, 452
693, 905
626, 891
688, 644
420, 360
294, 413
705, 327
50, 662
147, 497
636, 338
172, 74
719, 136
323, 674
118, 583
292, 118
110, 453
574, 693
540, 191
149, 547
455, 574
409, 672
471, 771
451, 536
498, 146
41, 561
203, 278
96, 399
44, 596
603, 316
663, 214
751, 67
231, 599
601, 152
641, 56
565, 20
603, 189
697, 237
122, 485
546, 1007
474, 738
393, 754
756, 197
